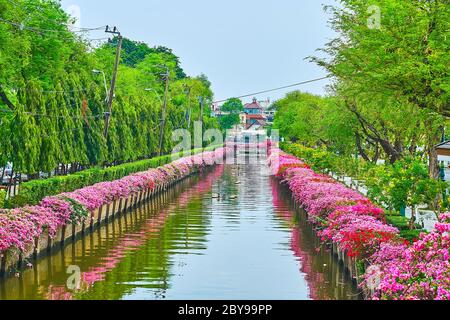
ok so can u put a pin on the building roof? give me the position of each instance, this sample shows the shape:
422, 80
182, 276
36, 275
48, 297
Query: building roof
256, 117
259, 124
254, 105
444, 145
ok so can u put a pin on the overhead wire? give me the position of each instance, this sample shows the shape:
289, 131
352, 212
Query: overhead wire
275, 89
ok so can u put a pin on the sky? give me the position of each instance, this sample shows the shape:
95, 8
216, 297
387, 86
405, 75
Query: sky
243, 46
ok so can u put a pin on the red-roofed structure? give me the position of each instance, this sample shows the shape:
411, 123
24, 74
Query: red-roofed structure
253, 108
254, 116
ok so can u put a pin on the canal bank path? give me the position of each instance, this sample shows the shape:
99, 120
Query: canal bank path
230, 233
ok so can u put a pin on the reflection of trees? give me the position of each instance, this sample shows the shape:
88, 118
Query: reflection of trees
140, 249
325, 276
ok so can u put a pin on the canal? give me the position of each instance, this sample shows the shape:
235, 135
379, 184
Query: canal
230, 233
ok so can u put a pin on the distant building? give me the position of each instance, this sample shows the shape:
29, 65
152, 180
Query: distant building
270, 115
253, 117
256, 116
266, 110
255, 122
253, 108
215, 109
443, 151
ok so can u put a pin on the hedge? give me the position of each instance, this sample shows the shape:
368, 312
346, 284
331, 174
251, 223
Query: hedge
33, 192
2, 198
402, 223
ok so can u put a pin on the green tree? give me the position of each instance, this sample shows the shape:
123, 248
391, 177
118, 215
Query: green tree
52, 106
399, 68
231, 109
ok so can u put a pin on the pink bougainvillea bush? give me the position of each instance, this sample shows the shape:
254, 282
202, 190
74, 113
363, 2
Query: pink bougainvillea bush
342, 215
417, 272
346, 218
20, 227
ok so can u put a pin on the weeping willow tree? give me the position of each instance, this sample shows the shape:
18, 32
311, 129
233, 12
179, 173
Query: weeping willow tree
52, 106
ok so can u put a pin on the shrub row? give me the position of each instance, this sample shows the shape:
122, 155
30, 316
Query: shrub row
2, 198
392, 268
33, 192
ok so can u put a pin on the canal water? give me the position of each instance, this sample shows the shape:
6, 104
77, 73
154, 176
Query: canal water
230, 233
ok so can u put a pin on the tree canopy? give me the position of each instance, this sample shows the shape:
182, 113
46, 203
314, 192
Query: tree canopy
390, 93
232, 108
52, 106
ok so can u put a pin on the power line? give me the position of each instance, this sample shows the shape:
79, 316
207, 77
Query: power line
50, 91
22, 26
98, 39
276, 89
41, 115
39, 11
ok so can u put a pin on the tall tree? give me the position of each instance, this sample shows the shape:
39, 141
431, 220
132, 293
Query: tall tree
402, 59
231, 108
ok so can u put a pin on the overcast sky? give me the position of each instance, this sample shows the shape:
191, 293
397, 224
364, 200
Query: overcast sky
243, 46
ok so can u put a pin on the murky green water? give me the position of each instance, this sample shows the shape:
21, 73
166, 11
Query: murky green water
231, 233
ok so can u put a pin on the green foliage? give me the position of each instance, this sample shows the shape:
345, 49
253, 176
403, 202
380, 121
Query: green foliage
52, 105
392, 78
232, 108
134, 52
315, 121
229, 121
324, 161
2, 198
400, 222
411, 235
404, 184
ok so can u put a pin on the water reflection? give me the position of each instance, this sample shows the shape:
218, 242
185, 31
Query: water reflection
230, 233
326, 278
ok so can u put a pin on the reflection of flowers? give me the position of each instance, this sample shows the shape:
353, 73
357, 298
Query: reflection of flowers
58, 293
343, 215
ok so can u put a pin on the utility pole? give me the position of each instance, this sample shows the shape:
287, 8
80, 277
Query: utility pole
202, 106
188, 96
164, 110
114, 77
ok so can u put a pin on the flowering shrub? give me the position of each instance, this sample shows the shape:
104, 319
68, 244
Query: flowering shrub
344, 216
19, 227
417, 272
359, 235
354, 224
16, 229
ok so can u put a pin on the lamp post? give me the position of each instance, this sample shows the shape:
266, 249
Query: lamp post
156, 92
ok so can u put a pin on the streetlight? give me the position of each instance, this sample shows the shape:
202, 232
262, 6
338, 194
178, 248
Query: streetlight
104, 81
156, 92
